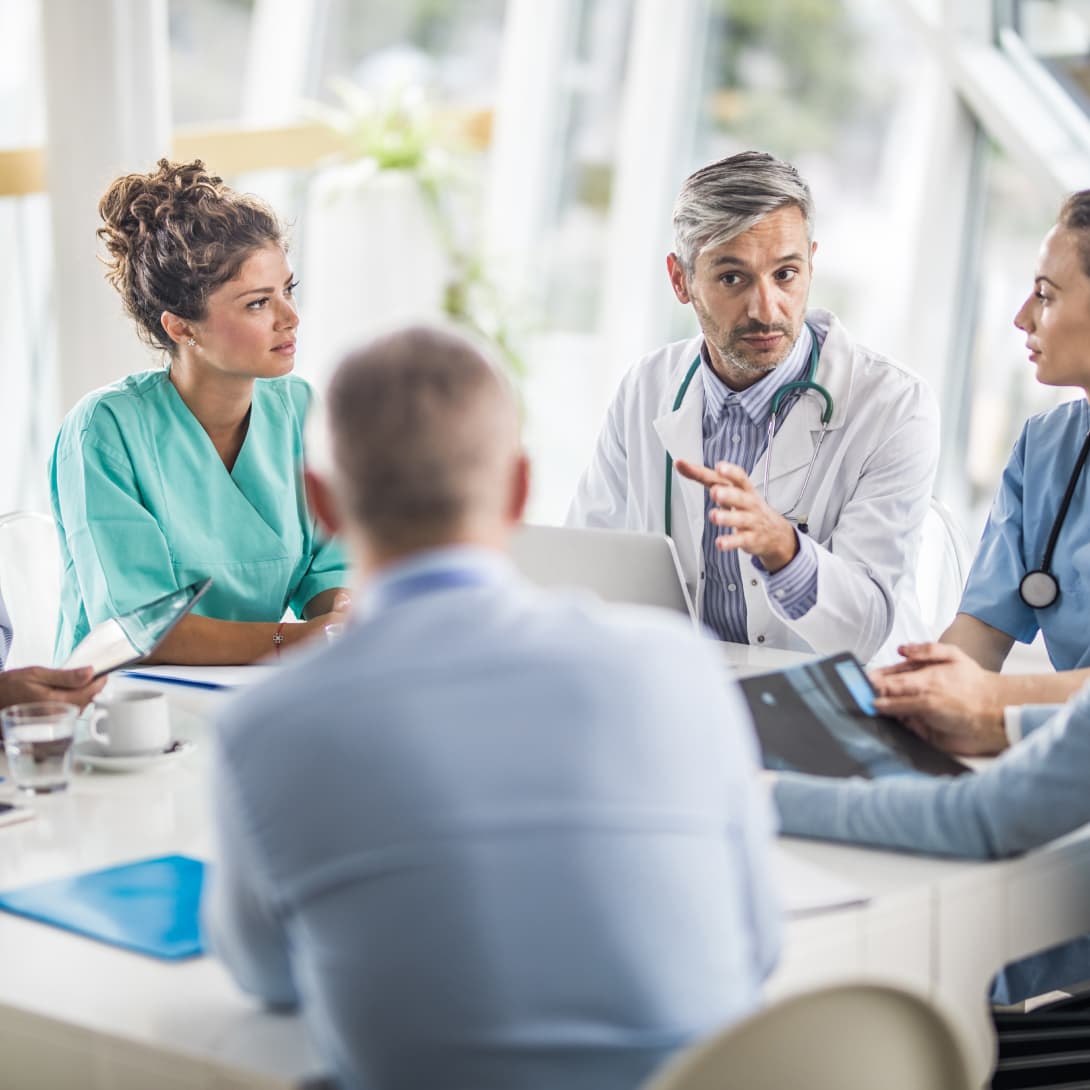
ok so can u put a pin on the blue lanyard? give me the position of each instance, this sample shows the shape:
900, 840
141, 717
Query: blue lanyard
806, 384
404, 588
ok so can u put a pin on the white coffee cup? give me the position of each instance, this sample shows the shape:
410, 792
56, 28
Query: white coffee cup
131, 724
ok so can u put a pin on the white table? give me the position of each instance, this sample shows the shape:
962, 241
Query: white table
78, 1013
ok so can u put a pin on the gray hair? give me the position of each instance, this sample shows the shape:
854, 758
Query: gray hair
727, 198
423, 429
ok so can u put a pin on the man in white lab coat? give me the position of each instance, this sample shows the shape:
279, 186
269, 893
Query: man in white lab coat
806, 540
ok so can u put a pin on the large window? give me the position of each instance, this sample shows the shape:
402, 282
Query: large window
827, 84
26, 350
1002, 391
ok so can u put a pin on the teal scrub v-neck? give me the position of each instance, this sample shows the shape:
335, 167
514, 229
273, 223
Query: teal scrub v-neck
145, 505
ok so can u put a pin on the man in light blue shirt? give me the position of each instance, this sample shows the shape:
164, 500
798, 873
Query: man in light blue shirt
1034, 792
492, 837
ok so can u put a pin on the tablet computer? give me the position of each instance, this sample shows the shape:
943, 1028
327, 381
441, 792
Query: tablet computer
819, 717
130, 638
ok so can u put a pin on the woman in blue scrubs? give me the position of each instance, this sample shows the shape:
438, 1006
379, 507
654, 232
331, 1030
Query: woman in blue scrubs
951, 691
195, 469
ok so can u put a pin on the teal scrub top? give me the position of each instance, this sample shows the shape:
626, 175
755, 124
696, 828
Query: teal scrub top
145, 505
1018, 526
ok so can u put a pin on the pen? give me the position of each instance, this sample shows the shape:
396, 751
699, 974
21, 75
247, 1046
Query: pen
191, 682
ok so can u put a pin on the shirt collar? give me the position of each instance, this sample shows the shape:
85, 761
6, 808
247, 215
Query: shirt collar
756, 400
468, 564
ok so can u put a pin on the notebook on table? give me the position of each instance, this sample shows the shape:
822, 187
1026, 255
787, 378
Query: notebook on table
150, 906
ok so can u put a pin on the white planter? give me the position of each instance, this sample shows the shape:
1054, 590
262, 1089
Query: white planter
371, 259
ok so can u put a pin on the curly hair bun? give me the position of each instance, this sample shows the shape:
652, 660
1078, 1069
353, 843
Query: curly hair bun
174, 235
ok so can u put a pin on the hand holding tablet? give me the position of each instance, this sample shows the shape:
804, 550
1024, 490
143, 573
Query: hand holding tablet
125, 640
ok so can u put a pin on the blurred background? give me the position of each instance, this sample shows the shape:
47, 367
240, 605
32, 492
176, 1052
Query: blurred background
511, 164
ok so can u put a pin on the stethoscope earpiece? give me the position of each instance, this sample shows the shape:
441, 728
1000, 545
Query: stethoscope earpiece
1039, 589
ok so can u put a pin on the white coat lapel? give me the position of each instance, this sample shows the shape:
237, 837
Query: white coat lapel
682, 437
798, 434
793, 446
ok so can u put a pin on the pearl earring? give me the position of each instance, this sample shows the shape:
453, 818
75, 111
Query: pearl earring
191, 342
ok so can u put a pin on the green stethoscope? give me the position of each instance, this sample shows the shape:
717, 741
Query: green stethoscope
803, 385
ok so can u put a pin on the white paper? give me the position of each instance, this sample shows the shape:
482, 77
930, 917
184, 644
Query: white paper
806, 888
211, 677
105, 648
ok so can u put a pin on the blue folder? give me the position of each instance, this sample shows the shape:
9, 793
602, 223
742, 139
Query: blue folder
150, 906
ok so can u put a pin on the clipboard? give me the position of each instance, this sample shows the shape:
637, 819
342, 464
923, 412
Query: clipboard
150, 906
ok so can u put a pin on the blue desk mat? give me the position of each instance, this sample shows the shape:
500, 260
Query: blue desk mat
150, 905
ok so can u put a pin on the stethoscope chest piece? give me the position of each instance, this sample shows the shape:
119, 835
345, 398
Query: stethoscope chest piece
1039, 589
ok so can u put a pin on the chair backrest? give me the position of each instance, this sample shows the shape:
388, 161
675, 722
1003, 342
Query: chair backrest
30, 581
844, 1037
942, 568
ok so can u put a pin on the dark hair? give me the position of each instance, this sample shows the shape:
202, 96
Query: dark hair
422, 427
173, 236
1075, 216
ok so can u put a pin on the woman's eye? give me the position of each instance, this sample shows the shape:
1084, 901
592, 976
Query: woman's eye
257, 304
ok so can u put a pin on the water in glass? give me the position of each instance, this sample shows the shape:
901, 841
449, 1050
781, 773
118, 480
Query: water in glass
38, 744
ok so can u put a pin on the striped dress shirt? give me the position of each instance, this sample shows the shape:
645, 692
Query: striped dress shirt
735, 424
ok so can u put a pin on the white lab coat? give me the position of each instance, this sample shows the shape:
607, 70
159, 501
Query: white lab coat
865, 502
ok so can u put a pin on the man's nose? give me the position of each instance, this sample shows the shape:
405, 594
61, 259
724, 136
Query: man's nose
762, 305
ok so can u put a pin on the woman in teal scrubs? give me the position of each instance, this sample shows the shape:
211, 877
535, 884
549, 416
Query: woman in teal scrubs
951, 691
195, 470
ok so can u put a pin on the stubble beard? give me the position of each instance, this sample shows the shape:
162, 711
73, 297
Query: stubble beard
738, 360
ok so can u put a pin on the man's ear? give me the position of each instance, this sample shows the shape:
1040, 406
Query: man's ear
520, 489
177, 329
678, 280
323, 502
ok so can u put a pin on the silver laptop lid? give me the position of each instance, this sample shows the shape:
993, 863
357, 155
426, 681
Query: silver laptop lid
617, 565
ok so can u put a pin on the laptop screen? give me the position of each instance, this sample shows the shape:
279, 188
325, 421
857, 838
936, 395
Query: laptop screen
617, 565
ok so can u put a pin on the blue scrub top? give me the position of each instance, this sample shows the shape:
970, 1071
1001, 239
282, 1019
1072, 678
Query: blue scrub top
1018, 527
145, 505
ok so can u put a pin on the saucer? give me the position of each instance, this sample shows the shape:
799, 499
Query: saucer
96, 756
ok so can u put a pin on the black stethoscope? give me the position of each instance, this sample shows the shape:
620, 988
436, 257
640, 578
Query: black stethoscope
1040, 588
805, 384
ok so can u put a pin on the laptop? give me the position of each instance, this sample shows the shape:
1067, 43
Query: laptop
819, 717
125, 640
617, 565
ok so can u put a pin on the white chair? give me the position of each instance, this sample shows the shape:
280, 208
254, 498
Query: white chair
942, 567
30, 581
844, 1037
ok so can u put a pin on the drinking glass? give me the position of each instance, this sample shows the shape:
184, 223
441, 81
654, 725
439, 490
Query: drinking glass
38, 743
